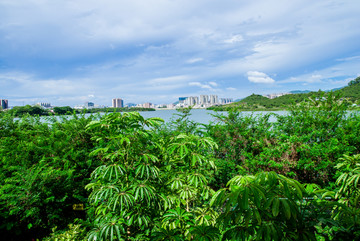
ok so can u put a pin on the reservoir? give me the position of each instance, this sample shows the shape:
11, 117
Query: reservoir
202, 116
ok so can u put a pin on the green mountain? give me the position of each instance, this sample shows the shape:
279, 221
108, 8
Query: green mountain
259, 102
352, 92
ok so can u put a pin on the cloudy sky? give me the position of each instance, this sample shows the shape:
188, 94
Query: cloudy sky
68, 52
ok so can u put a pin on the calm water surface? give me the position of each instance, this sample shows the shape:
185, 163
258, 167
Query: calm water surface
201, 115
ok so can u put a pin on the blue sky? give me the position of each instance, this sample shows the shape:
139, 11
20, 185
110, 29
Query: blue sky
68, 52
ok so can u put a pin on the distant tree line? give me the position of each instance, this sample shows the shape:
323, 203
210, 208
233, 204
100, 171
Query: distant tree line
355, 81
67, 110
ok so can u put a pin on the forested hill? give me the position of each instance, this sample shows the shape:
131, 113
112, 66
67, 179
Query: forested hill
259, 102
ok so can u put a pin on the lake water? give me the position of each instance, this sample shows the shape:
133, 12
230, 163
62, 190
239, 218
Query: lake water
200, 115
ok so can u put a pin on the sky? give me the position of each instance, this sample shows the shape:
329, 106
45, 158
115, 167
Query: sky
68, 52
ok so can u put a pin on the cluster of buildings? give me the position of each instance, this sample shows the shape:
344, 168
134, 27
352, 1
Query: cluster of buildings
203, 101
43, 104
273, 96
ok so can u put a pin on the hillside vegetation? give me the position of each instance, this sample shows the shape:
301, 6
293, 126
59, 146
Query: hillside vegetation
259, 102
120, 176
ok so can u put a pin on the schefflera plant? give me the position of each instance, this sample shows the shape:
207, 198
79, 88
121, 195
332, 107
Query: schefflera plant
144, 180
270, 206
189, 167
124, 197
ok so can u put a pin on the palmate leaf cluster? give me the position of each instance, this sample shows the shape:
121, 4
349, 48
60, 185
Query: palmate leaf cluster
244, 177
144, 178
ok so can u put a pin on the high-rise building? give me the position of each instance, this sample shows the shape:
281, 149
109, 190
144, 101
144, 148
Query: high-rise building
204, 99
147, 105
43, 104
117, 103
214, 99
226, 100
89, 105
182, 100
192, 100
4, 104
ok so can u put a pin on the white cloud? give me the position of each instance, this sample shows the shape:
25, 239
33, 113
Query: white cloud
203, 86
139, 49
194, 60
234, 39
212, 83
259, 77
349, 58
231, 89
170, 79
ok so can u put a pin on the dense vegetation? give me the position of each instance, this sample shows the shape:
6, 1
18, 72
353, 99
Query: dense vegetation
240, 178
355, 81
67, 110
259, 102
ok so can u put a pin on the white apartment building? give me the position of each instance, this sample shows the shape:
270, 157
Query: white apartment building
192, 100
226, 101
204, 99
117, 103
214, 99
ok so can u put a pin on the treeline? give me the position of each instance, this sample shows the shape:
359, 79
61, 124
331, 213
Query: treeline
67, 110
258, 102
122, 109
355, 81
240, 178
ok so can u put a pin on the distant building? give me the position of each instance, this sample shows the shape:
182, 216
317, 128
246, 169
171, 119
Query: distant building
226, 100
182, 100
272, 96
117, 103
43, 104
89, 105
170, 106
192, 100
147, 105
4, 104
204, 100
214, 99
130, 105
161, 106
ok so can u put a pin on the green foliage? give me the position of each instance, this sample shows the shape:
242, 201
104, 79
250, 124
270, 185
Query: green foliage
30, 110
44, 167
75, 232
355, 81
268, 206
63, 110
347, 212
112, 109
142, 179
258, 102
306, 143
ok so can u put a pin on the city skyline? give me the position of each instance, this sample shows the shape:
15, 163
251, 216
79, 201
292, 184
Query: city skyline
72, 52
119, 102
